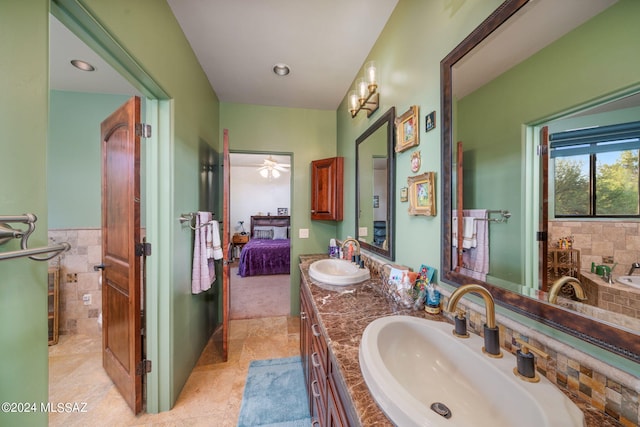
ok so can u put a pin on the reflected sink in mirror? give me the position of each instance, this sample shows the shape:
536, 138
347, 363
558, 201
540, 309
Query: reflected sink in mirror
338, 272
633, 281
419, 372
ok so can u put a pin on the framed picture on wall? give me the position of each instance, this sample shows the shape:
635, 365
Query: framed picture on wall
430, 121
422, 197
407, 130
404, 194
283, 211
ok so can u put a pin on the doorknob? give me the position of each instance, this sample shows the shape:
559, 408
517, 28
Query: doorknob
98, 267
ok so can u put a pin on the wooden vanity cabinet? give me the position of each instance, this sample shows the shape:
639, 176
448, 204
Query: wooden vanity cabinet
327, 183
325, 402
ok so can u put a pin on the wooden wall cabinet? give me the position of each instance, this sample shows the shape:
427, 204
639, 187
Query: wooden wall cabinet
325, 402
327, 183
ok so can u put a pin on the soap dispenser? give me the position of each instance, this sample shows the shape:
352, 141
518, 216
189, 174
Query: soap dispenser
526, 367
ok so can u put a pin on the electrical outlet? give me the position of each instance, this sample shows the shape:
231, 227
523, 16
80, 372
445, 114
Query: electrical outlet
86, 299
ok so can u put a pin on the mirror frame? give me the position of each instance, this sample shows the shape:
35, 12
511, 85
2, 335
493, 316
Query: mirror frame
616, 340
387, 118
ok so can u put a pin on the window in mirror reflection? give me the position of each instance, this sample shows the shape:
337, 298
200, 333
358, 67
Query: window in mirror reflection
596, 171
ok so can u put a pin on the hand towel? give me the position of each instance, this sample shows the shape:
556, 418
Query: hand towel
203, 271
475, 261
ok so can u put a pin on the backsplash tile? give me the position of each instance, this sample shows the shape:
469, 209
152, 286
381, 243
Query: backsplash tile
593, 381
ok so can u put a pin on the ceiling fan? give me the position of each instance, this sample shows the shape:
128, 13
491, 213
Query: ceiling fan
270, 168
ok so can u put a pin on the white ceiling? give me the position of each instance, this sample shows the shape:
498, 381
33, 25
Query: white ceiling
64, 46
237, 43
325, 43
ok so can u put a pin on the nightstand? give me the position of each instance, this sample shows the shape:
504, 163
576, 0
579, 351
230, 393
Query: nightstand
238, 240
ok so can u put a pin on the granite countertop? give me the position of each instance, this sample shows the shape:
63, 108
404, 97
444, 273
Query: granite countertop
345, 312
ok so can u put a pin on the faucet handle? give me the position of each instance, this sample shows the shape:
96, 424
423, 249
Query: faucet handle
460, 324
526, 369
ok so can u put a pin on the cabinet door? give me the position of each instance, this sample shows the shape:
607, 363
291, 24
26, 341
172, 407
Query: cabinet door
327, 176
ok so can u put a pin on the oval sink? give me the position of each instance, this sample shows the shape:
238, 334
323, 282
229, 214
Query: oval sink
337, 272
420, 374
633, 281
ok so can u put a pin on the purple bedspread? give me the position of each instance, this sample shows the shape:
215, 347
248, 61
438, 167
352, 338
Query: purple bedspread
265, 256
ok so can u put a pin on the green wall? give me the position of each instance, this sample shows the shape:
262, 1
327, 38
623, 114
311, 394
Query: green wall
183, 322
74, 159
305, 134
408, 54
23, 120
179, 323
560, 77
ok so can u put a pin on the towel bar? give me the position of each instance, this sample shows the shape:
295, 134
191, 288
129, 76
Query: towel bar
58, 249
8, 233
505, 215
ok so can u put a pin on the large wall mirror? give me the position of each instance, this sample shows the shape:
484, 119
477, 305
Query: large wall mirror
375, 160
500, 87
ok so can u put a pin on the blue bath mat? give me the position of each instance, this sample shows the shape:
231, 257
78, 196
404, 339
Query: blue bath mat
275, 394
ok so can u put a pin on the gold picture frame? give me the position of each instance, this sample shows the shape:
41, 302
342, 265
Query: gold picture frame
422, 196
407, 129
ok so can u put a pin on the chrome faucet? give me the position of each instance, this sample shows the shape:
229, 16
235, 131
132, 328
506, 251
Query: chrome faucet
557, 285
608, 275
491, 331
633, 267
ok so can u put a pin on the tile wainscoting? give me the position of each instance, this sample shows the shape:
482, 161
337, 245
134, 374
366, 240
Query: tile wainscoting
78, 280
599, 239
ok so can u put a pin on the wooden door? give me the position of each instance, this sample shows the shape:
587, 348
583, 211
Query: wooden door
327, 181
226, 245
543, 228
121, 292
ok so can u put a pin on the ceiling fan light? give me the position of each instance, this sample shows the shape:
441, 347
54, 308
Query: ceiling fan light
275, 173
264, 173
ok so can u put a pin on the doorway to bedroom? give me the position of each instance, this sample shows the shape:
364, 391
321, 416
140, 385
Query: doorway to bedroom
260, 191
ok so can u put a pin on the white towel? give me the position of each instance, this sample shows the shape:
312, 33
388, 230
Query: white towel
214, 247
475, 261
206, 248
469, 232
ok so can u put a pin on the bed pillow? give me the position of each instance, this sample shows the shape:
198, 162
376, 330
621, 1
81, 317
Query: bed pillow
262, 232
279, 233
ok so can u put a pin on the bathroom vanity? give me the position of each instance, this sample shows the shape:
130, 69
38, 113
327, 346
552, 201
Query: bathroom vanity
332, 323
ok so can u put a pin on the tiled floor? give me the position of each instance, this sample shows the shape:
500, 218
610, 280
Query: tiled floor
211, 396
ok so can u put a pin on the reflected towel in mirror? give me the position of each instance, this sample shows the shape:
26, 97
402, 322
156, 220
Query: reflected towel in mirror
475, 260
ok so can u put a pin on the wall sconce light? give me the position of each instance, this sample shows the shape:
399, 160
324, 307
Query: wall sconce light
365, 96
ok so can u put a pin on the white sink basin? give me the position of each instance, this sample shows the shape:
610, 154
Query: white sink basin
337, 272
410, 363
633, 281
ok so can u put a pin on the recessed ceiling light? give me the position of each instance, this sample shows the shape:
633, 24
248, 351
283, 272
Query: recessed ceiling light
82, 65
281, 69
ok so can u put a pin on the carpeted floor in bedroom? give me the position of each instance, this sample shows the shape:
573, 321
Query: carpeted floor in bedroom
259, 296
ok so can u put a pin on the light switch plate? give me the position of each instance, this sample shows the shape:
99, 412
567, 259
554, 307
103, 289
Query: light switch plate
303, 233
363, 231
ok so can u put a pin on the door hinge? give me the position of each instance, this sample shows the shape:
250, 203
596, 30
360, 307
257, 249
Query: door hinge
143, 249
541, 236
542, 150
144, 367
143, 130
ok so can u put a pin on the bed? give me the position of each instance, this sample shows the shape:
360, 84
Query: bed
269, 248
